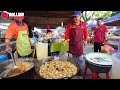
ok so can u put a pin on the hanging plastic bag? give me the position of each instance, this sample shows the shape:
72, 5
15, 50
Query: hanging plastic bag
111, 48
63, 53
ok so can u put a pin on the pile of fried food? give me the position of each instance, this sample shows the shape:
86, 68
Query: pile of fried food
22, 67
57, 69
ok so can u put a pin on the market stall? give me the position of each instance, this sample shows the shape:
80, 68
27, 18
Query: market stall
51, 67
113, 21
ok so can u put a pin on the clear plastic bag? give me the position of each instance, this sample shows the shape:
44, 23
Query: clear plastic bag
63, 55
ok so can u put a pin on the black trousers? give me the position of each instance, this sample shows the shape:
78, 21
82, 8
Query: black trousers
97, 47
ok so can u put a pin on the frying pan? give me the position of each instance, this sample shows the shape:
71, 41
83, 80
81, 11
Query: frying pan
7, 65
38, 64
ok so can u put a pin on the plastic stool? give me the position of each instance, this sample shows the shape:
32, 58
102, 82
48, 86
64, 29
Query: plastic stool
94, 75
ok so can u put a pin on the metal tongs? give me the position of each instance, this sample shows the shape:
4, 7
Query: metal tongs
12, 56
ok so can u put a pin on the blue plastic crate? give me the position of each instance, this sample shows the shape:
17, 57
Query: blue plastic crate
3, 57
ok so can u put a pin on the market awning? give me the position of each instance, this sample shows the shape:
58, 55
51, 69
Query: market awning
92, 24
113, 21
43, 18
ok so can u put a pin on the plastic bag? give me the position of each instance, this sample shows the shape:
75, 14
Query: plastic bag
63, 55
110, 47
107, 48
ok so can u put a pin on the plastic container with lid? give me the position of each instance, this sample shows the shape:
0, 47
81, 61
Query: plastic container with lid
41, 50
115, 67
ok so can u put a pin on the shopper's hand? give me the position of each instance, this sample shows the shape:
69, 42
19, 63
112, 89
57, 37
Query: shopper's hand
105, 43
8, 49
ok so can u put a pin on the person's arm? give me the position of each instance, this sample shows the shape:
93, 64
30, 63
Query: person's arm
85, 34
67, 34
8, 36
26, 27
106, 32
106, 36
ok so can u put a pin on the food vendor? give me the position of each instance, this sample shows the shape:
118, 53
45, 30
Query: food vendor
19, 30
76, 32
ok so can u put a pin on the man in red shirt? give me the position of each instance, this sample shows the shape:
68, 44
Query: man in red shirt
100, 35
76, 32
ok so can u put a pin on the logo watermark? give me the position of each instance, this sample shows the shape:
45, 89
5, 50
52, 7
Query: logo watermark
12, 15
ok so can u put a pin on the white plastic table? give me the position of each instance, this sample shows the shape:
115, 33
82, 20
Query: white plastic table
98, 63
99, 58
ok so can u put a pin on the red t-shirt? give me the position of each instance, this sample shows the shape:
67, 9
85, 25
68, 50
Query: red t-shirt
99, 34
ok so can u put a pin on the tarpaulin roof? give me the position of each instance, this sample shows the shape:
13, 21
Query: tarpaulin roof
92, 24
113, 20
42, 18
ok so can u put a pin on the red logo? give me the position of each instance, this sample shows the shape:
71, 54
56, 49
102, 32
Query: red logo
4, 14
12, 15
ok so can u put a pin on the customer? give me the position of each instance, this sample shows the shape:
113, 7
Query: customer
49, 34
100, 35
49, 37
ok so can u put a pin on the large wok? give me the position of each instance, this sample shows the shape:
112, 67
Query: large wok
38, 64
7, 65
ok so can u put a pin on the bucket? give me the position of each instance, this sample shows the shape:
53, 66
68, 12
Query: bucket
41, 50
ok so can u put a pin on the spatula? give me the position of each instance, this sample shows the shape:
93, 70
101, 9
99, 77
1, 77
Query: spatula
11, 54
